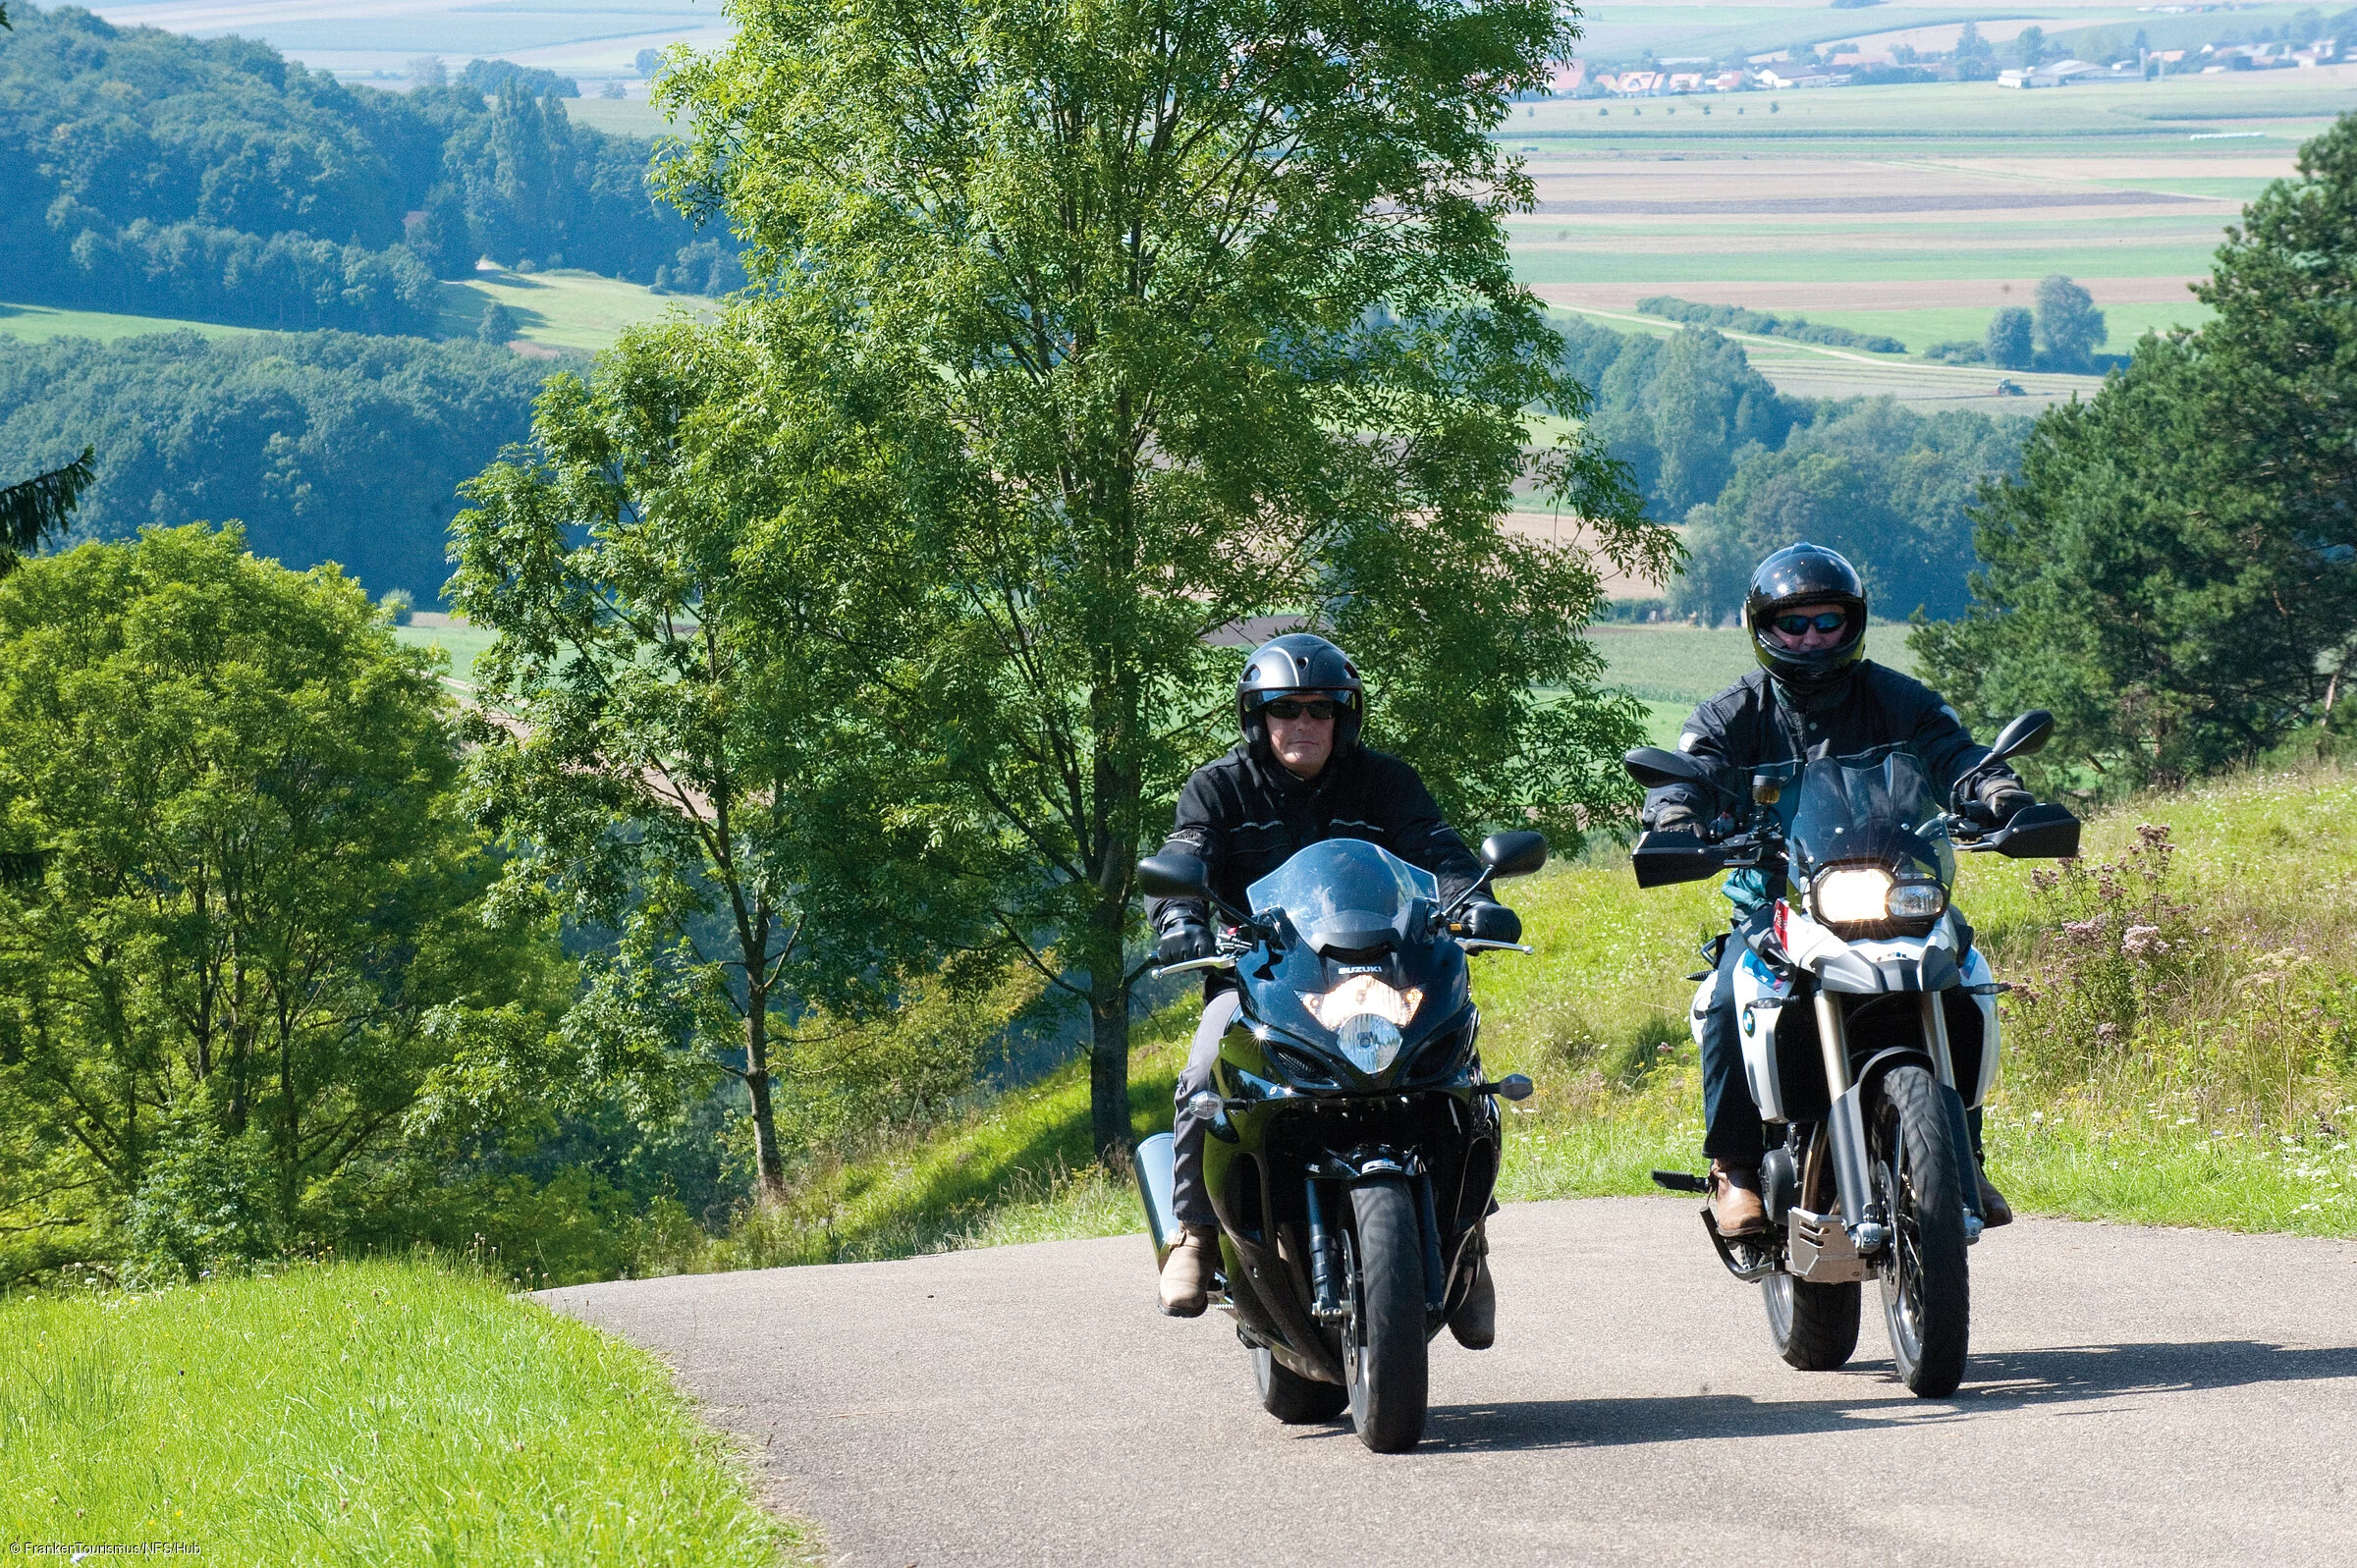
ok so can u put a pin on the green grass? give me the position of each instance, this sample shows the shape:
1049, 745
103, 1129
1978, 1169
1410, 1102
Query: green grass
41, 323
461, 643
360, 1413
2089, 257
1682, 665
559, 309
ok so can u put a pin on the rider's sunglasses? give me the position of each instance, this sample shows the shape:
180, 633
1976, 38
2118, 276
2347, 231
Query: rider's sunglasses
1798, 626
1296, 708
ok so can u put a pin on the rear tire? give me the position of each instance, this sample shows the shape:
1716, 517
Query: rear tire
1815, 1326
1384, 1349
1291, 1398
1927, 1287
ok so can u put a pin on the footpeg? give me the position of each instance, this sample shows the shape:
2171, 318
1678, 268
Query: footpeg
1679, 1181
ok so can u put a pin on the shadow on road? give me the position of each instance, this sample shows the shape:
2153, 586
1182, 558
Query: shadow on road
1863, 1396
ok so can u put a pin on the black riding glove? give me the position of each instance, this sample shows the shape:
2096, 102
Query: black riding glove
1184, 941
1677, 817
1485, 921
2005, 797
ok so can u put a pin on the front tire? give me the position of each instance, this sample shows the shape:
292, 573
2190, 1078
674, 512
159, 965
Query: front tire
1291, 1398
1815, 1326
1927, 1287
1383, 1342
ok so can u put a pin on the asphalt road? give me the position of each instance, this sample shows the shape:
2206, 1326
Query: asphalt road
2135, 1396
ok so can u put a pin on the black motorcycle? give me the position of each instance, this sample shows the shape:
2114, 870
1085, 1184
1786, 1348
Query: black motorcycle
1868, 1024
1354, 1141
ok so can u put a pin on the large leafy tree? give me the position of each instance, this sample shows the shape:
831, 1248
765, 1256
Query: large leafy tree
2175, 570
671, 743
254, 940
1216, 299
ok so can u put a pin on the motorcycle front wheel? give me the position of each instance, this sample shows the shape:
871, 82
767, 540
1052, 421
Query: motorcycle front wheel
1291, 1398
1383, 1339
1815, 1326
1927, 1292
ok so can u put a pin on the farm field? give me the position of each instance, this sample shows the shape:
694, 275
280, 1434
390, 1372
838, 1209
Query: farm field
1912, 211
563, 309
41, 323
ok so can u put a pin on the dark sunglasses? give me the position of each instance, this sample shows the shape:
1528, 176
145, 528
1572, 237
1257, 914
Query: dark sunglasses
1795, 625
1295, 708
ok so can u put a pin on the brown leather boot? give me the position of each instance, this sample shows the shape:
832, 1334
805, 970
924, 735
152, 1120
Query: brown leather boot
1475, 1321
1995, 1211
1736, 1206
1187, 1271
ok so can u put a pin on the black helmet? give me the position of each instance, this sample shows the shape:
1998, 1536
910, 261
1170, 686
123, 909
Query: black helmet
1299, 664
1800, 575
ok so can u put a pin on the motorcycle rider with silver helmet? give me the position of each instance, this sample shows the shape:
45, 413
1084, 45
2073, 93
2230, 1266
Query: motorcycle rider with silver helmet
1815, 695
1299, 776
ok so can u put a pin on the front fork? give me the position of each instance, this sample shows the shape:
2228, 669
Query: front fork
1326, 1282
1846, 1125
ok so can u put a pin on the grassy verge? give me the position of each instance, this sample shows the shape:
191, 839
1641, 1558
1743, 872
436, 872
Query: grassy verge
360, 1413
2202, 1072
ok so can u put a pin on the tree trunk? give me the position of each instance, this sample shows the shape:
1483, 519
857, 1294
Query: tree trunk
1109, 1037
769, 1167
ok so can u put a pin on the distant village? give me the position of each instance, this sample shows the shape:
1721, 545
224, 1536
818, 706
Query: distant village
1970, 57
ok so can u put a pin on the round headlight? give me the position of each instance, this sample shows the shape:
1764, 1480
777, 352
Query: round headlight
1851, 893
1370, 1041
1916, 901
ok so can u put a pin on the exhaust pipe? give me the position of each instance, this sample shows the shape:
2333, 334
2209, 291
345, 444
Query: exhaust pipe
1152, 1163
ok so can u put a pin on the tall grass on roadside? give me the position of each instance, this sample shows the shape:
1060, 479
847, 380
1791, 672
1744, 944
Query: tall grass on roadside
360, 1413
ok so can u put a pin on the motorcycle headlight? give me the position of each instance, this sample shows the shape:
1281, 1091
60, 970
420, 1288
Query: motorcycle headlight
1851, 895
1362, 993
1366, 1017
1916, 901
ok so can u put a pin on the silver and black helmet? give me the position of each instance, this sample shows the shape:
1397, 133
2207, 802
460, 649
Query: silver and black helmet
1805, 574
1302, 665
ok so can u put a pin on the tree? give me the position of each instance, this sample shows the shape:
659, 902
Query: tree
258, 934
677, 756
498, 325
428, 71
2012, 343
32, 510
2030, 45
1140, 255
2068, 326
2175, 571
647, 61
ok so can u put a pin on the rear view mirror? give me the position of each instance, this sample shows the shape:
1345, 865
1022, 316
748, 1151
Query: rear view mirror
2025, 737
2039, 832
1172, 876
1653, 768
1513, 855
1662, 858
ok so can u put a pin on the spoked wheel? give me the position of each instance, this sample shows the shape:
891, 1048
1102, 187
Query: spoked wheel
1926, 1294
1291, 1398
1815, 1326
1382, 1337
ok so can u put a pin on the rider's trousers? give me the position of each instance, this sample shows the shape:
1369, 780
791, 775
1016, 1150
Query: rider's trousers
1190, 1202
1731, 1117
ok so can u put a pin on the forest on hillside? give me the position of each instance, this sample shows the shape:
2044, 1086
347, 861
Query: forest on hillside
213, 179
328, 446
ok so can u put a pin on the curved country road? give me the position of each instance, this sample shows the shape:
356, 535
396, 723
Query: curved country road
2135, 1396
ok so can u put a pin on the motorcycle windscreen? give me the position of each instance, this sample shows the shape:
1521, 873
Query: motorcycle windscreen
1344, 892
1874, 806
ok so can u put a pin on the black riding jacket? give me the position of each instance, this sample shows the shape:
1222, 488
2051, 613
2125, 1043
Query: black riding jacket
1244, 815
1756, 722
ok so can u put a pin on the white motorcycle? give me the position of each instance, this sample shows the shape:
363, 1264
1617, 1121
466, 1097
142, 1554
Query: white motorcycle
1868, 1022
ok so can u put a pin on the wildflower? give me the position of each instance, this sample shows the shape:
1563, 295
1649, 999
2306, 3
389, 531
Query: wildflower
2139, 941
2107, 1033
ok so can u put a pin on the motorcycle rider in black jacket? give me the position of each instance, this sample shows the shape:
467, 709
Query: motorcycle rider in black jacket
1300, 777
1814, 695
